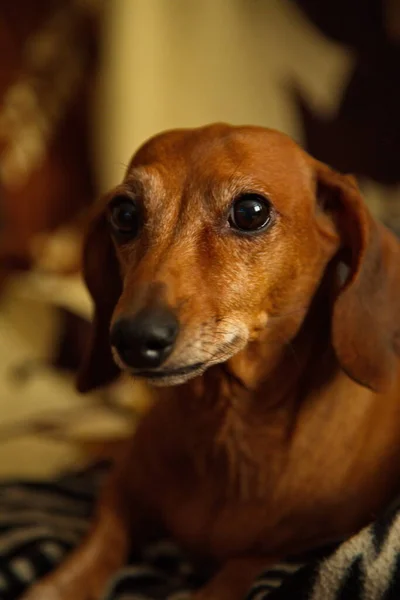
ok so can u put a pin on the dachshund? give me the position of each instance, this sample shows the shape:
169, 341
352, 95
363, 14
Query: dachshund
251, 286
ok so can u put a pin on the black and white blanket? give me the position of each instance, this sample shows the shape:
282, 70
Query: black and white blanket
41, 522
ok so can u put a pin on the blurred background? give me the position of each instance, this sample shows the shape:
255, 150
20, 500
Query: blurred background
82, 84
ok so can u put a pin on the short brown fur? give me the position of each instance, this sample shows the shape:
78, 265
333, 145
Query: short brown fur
288, 438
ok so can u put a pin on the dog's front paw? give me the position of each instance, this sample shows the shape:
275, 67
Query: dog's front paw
54, 590
43, 592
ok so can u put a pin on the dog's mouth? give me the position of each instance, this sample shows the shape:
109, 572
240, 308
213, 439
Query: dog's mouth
149, 374
172, 376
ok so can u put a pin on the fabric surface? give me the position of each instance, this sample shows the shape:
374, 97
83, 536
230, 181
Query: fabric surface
41, 522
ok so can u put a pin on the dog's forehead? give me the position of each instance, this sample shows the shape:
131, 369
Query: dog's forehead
220, 152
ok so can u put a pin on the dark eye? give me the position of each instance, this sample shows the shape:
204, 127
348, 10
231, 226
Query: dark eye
250, 212
124, 216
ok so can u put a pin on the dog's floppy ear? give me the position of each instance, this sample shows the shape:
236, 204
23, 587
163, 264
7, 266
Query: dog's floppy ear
366, 312
101, 274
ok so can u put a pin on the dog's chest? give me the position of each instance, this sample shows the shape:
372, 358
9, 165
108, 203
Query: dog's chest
210, 518
218, 516
213, 499
246, 494
192, 485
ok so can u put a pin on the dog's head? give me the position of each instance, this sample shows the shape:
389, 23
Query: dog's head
212, 235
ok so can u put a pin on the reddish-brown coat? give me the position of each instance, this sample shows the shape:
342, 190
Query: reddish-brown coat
293, 439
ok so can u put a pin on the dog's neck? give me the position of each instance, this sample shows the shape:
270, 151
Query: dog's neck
256, 396
272, 369
269, 375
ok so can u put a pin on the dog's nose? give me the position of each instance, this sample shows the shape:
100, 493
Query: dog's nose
147, 339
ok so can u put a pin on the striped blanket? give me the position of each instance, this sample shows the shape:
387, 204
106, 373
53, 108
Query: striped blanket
41, 522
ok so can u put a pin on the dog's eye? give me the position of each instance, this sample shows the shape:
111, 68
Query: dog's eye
250, 212
124, 216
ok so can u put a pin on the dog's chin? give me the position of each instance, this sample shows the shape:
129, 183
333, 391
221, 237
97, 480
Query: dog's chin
171, 378
168, 377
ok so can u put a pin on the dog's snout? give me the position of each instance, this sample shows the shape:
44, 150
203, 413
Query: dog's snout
146, 339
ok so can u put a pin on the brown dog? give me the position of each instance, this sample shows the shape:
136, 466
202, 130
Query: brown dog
232, 263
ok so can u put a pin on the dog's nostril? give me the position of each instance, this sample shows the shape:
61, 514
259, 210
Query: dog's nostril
157, 344
159, 335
